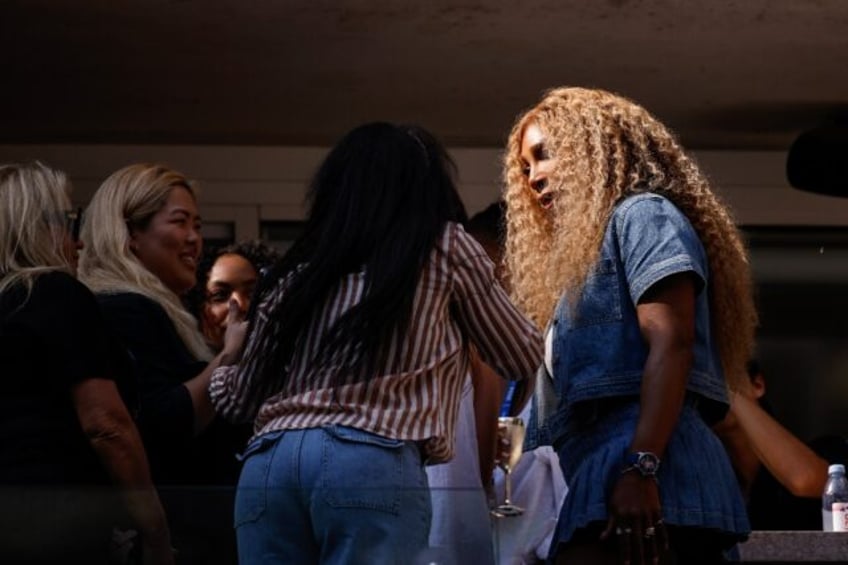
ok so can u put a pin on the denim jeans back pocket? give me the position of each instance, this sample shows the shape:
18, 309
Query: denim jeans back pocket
251, 495
362, 470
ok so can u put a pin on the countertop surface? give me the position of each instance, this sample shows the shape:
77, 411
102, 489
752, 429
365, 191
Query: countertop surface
795, 547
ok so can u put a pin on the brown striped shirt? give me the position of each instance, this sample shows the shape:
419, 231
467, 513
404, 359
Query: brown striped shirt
416, 397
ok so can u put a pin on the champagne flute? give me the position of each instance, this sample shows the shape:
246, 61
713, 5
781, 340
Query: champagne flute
513, 430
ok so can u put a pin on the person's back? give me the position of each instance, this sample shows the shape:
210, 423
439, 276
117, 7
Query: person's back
67, 442
357, 356
36, 413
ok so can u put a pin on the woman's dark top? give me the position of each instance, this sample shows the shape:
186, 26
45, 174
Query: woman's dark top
55, 502
49, 342
161, 364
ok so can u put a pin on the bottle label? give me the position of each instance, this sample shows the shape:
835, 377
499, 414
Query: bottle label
840, 516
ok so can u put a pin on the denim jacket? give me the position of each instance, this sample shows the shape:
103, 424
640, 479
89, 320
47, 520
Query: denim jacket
598, 350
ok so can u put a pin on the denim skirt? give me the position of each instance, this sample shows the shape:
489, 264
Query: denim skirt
697, 485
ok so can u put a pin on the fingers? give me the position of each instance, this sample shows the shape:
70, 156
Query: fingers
661, 536
655, 543
638, 543
649, 545
635, 512
234, 313
625, 544
235, 333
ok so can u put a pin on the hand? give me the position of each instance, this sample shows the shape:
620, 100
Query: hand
635, 519
157, 550
235, 333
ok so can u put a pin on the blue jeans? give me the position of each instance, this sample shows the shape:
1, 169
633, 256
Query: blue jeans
333, 495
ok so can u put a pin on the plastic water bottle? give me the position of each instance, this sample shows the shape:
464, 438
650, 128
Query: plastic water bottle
835, 500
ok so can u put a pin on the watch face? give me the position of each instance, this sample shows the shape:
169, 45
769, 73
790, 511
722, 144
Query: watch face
648, 463
645, 462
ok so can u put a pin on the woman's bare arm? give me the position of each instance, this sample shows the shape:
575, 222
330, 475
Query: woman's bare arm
113, 436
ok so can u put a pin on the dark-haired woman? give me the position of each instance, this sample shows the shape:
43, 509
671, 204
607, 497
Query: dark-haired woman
228, 274
357, 354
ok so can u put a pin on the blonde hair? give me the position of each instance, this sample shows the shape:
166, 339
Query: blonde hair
129, 198
605, 148
33, 203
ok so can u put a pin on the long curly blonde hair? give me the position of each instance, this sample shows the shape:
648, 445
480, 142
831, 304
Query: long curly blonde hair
606, 147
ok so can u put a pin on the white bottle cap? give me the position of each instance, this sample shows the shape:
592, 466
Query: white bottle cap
836, 468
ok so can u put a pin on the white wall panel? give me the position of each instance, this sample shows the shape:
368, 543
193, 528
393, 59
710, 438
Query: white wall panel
273, 179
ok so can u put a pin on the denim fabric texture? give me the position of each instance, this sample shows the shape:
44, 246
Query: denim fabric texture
598, 350
331, 495
589, 407
697, 485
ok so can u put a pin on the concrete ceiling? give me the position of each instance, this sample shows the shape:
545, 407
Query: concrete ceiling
730, 74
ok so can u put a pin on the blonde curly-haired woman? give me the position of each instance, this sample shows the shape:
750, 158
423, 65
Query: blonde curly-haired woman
618, 246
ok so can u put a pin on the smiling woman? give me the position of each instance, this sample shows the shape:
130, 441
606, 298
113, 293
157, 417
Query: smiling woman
168, 244
142, 239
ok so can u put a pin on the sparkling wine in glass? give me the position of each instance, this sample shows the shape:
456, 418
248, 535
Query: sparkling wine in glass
512, 428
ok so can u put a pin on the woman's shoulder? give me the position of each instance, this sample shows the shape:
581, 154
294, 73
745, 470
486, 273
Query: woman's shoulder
59, 304
646, 203
127, 300
454, 250
450, 233
638, 210
128, 308
58, 280
142, 324
61, 288
461, 262
55, 290
455, 242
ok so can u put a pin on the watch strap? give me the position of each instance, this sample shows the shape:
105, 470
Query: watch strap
645, 462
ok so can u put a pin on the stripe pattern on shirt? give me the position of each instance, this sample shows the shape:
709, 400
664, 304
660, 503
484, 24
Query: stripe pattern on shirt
417, 393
